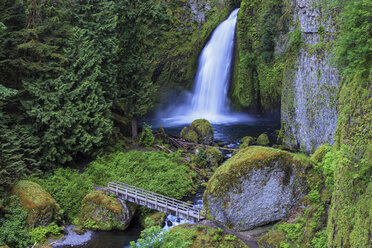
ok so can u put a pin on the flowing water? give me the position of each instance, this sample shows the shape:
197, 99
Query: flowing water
209, 97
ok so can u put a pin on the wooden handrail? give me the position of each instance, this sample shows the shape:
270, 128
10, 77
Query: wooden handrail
158, 201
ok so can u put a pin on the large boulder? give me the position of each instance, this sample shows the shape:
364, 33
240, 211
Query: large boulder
40, 206
102, 212
255, 187
200, 131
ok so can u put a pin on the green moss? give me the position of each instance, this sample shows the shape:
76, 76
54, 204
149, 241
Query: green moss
189, 135
259, 72
102, 212
40, 206
272, 239
214, 156
320, 152
206, 236
263, 140
228, 175
204, 130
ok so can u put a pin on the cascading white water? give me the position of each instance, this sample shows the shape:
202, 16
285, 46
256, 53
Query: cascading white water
209, 97
210, 94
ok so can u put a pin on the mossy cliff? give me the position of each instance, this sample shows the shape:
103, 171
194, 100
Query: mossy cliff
256, 186
40, 206
191, 24
102, 212
282, 64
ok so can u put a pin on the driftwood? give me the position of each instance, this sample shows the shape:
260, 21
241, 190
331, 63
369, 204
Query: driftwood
182, 143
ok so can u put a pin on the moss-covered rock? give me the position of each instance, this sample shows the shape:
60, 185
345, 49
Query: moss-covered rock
102, 212
272, 239
248, 140
200, 131
214, 156
263, 140
40, 206
256, 186
156, 219
207, 236
189, 135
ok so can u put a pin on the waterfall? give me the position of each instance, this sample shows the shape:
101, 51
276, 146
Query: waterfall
209, 97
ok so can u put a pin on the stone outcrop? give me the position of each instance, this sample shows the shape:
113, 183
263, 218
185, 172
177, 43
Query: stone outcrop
102, 212
255, 187
40, 206
200, 131
309, 97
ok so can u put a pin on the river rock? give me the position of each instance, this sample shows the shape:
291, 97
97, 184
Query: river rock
102, 212
263, 140
257, 186
200, 131
40, 206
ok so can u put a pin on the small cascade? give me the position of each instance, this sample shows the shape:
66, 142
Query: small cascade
209, 97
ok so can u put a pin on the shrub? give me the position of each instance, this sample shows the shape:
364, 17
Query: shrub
12, 231
41, 233
146, 138
155, 171
68, 188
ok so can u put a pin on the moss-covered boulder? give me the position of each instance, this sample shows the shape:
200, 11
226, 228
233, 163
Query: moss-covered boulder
189, 135
214, 156
207, 236
40, 206
263, 140
258, 185
102, 212
320, 152
200, 131
247, 141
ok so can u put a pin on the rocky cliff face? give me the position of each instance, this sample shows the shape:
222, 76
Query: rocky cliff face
309, 97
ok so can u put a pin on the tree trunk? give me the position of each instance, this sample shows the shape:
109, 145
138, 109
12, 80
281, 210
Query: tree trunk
134, 127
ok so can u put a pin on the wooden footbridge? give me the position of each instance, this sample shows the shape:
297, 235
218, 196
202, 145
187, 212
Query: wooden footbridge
156, 201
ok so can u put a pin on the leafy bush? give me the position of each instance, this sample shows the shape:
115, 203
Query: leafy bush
12, 231
68, 188
147, 138
155, 237
41, 233
154, 171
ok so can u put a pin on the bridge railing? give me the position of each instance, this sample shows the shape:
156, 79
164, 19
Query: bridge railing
154, 198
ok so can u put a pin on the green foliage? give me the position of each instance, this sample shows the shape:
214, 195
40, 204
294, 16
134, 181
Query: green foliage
146, 138
320, 240
68, 188
141, 25
41, 233
201, 159
12, 222
230, 237
353, 51
155, 171
293, 231
155, 237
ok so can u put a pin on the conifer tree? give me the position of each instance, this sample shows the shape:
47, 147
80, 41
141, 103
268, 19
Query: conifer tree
141, 26
71, 113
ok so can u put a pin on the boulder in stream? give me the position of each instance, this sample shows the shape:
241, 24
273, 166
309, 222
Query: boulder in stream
200, 131
102, 212
257, 186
